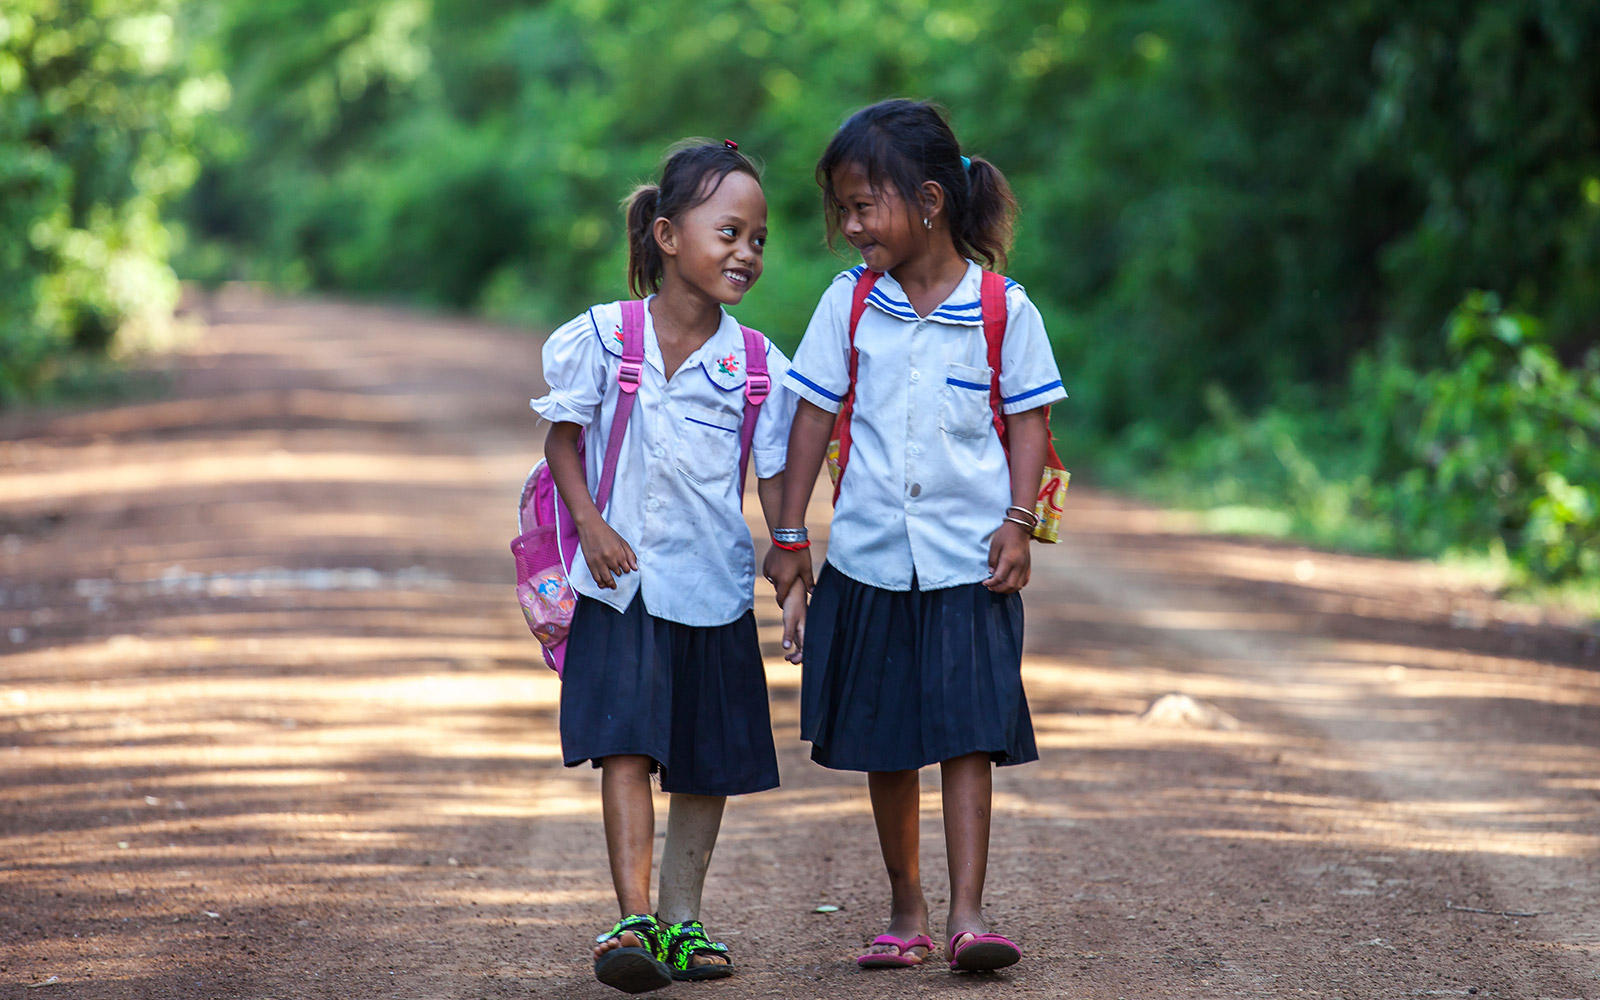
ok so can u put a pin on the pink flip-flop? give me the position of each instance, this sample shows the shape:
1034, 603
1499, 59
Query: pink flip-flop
900, 958
982, 953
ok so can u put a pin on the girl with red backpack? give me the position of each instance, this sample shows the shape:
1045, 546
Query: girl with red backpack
924, 381
655, 408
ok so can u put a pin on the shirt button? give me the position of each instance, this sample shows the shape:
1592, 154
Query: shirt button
915, 376
913, 451
916, 489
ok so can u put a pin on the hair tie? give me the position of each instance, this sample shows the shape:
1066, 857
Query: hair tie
730, 144
966, 163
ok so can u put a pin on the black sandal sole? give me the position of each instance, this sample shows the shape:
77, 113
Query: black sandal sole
701, 973
986, 956
632, 970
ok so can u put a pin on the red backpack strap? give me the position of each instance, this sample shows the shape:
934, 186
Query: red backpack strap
992, 300
757, 387
841, 423
629, 374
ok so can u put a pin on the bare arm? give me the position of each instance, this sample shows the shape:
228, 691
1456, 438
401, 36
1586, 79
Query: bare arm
808, 444
1010, 561
603, 549
770, 492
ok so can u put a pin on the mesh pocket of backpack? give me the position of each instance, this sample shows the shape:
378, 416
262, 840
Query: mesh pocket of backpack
546, 597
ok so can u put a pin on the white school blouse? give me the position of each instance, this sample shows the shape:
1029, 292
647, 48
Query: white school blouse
927, 483
675, 498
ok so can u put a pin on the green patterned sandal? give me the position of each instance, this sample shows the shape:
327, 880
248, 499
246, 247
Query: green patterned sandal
630, 969
686, 940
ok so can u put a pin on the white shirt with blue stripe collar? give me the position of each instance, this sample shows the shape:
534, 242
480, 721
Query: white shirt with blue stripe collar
927, 483
675, 499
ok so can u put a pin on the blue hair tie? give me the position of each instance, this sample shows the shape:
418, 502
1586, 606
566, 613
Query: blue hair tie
966, 163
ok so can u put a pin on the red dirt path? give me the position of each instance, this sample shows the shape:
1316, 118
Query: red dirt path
271, 727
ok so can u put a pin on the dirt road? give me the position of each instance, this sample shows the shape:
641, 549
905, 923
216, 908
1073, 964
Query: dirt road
271, 727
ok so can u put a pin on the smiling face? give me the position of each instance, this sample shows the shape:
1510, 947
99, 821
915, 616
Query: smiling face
876, 220
715, 247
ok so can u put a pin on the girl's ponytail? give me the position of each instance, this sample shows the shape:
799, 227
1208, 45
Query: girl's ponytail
644, 256
984, 226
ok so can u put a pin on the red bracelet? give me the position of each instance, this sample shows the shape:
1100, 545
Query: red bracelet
793, 546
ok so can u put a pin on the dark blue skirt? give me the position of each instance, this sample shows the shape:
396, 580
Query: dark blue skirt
692, 699
894, 681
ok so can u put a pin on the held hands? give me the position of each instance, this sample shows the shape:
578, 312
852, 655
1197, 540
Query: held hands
794, 624
783, 569
606, 553
1010, 560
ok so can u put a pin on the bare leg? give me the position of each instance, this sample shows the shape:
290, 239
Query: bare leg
896, 800
630, 821
692, 825
968, 794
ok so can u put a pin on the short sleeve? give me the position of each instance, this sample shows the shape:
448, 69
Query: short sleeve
820, 371
575, 368
1029, 377
770, 449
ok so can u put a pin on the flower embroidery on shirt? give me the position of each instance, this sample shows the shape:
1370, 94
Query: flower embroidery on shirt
728, 365
618, 335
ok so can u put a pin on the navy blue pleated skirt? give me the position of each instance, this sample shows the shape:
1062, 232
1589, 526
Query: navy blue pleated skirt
894, 681
692, 699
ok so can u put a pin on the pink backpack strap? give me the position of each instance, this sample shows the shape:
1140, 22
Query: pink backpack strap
757, 387
629, 374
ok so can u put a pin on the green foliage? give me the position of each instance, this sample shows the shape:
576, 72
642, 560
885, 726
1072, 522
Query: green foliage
1249, 194
1496, 450
96, 112
1507, 446
1238, 218
1254, 194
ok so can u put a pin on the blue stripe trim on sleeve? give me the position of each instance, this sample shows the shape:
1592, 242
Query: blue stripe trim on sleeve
807, 382
1031, 392
966, 385
702, 423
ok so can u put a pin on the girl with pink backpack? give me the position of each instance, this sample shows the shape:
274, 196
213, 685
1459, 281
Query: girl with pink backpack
656, 407
930, 376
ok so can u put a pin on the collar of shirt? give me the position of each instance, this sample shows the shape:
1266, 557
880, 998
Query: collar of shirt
962, 307
721, 357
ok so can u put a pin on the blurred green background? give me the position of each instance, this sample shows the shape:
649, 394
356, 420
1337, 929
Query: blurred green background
1325, 270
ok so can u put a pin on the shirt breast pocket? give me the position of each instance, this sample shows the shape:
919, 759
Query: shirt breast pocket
964, 405
708, 445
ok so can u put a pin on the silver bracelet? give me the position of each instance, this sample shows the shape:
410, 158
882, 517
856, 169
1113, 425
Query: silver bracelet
1018, 520
790, 536
1025, 512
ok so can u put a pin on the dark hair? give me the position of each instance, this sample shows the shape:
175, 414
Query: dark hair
695, 168
906, 143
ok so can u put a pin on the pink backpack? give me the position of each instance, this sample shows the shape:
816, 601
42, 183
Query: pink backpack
547, 539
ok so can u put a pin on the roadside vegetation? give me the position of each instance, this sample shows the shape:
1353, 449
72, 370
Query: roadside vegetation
1326, 271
